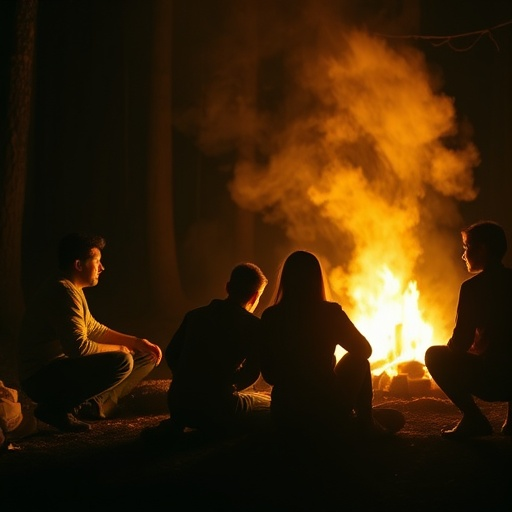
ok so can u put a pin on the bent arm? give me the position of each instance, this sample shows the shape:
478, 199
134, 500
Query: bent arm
351, 339
118, 341
249, 370
464, 331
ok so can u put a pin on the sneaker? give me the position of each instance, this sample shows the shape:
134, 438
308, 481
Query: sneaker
61, 420
90, 410
469, 427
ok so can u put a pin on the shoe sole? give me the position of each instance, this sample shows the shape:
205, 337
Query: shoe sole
80, 426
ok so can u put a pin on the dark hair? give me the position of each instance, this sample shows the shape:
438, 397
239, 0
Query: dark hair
489, 234
301, 279
77, 246
245, 280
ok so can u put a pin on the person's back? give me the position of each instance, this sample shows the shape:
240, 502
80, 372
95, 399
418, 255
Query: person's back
311, 392
46, 334
299, 349
219, 337
213, 357
487, 309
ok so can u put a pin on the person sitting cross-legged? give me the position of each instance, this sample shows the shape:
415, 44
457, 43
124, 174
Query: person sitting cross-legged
213, 357
313, 395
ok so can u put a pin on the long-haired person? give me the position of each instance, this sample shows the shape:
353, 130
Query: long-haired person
300, 331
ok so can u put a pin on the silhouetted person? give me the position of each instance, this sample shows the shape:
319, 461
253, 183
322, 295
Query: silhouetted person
213, 357
311, 393
477, 361
70, 361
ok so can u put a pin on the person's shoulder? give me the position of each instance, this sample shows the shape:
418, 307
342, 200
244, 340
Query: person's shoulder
221, 308
55, 286
332, 310
203, 309
331, 307
65, 286
500, 275
53, 294
323, 308
272, 314
471, 282
62, 282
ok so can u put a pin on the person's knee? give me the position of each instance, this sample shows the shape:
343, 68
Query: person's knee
146, 361
433, 355
123, 362
351, 362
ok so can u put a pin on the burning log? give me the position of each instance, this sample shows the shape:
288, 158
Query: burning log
413, 369
411, 380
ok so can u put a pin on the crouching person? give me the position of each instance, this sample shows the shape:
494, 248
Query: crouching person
71, 365
477, 361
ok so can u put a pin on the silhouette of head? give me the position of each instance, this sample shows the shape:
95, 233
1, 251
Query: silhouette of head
301, 279
488, 234
246, 279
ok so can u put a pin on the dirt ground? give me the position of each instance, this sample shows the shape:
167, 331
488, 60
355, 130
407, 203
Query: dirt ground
109, 468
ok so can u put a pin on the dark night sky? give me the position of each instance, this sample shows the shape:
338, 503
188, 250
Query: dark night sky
480, 82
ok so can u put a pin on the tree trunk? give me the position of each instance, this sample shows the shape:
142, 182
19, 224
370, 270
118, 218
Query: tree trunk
12, 187
165, 281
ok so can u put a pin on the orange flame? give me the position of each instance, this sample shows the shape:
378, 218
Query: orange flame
353, 151
388, 314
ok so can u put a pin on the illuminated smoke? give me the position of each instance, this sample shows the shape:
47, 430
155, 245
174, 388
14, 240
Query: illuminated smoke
345, 142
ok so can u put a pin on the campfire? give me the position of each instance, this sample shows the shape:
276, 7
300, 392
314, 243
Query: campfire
367, 174
348, 145
390, 317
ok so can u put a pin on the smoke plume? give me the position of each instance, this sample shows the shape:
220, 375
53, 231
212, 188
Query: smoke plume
347, 143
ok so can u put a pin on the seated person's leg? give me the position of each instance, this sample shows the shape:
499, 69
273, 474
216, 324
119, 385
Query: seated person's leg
353, 378
355, 381
252, 410
60, 387
457, 374
391, 419
494, 385
454, 373
107, 401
